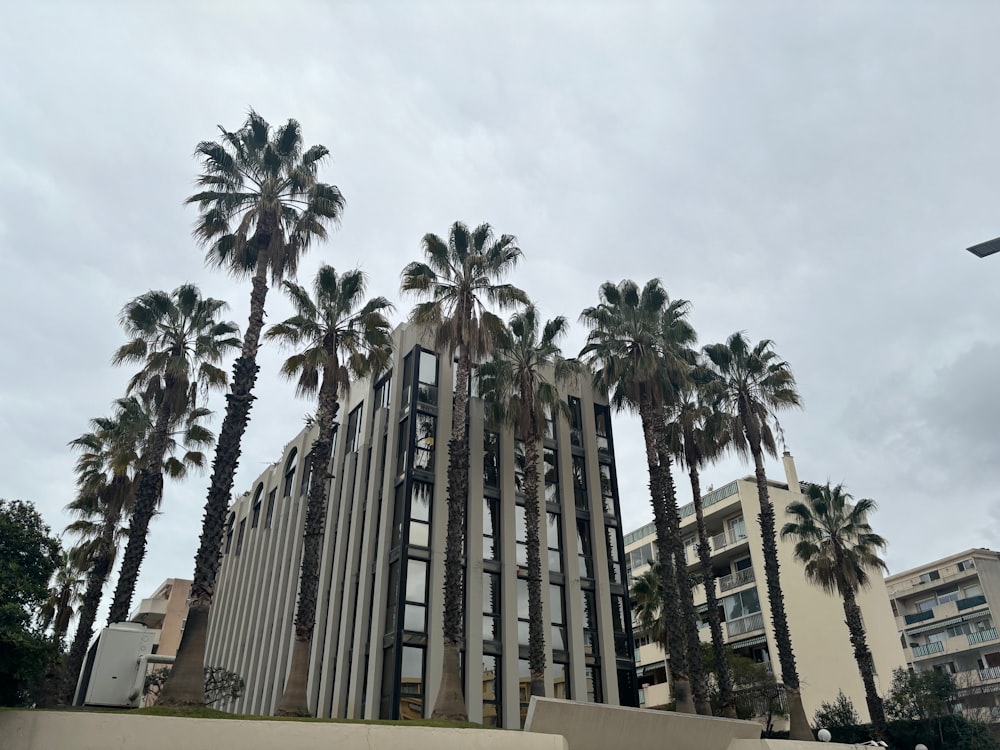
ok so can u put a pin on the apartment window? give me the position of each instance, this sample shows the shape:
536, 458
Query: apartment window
402, 446
491, 607
269, 516
411, 683
258, 501
602, 420
491, 691
973, 590
741, 604
229, 532
354, 429
550, 426
575, 422
592, 675
948, 595
551, 466
290, 465
928, 577
383, 392
584, 548
519, 463
607, 489
423, 455
557, 613
491, 458
554, 537
420, 513
415, 612
963, 628
737, 529
560, 680
307, 474
491, 528
590, 642
522, 612
427, 378
614, 558
239, 537
966, 565
580, 481
925, 605
640, 556
618, 623
742, 564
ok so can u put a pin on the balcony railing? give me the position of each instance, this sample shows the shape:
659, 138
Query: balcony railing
935, 647
970, 602
919, 616
739, 578
983, 636
711, 498
990, 673
745, 624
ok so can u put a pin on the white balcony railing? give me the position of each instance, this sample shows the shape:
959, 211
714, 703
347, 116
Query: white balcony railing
934, 647
733, 580
745, 625
983, 636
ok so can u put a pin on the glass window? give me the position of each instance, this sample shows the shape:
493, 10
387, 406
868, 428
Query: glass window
491, 528
590, 643
269, 516
402, 444
239, 537
420, 513
948, 595
580, 481
575, 422
491, 691
520, 536
416, 581
411, 683
519, 462
290, 465
607, 489
427, 378
257, 502
614, 559
560, 680
926, 604
593, 679
551, 475
584, 548
973, 590
383, 392
491, 458
423, 455
557, 609
741, 604
602, 419
928, 577
966, 565
354, 429
307, 474
554, 534
737, 529
550, 427
229, 531
491, 606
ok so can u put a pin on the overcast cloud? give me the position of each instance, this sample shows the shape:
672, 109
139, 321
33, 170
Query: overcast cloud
807, 172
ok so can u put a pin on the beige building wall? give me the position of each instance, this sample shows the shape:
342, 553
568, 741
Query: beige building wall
165, 612
820, 639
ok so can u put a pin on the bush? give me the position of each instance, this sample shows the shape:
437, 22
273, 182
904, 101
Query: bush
942, 733
840, 713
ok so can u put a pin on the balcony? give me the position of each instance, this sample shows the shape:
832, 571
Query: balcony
983, 636
735, 580
711, 498
919, 617
150, 613
990, 673
935, 647
970, 602
744, 625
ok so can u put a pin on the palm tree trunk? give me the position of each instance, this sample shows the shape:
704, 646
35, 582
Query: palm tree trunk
863, 656
295, 699
722, 675
450, 701
798, 724
185, 684
665, 548
147, 498
536, 624
96, 578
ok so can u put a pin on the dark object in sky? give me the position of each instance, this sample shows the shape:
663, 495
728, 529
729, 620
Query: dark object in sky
986, 248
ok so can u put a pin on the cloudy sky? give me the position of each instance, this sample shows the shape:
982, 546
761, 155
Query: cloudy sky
806, 172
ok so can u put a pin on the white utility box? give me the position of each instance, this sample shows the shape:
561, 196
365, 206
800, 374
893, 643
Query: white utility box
113, 663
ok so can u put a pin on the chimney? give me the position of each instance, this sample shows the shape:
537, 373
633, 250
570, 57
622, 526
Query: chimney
791, 475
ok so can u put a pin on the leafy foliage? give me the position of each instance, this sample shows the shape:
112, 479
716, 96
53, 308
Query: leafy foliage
840, 713
756, 692
921, 695
220, 684
29, 555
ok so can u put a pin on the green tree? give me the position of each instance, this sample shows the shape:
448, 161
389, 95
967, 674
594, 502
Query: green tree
635, 346
923, 695
696, 435
757, 694
65, 589
835, 542
840, 713
519, 385
30, 556
178, 340
261, 208
461, 276
752, 385
340, 335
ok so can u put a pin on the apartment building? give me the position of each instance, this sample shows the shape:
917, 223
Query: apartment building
377, 644
820, 637
165, 613
944, 614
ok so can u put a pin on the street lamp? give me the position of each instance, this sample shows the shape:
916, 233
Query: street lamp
985, 248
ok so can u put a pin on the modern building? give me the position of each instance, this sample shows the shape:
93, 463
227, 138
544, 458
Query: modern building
944, 614
165, 613
377, 648
820, 638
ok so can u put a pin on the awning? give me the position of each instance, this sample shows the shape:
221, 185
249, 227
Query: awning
757, 640
641, 670
945, 623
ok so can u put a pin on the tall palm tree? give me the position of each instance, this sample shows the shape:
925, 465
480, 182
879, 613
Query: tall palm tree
461, 276
697, 435
340, 335
178, 340
261, 208
519, 384
651, 614
752, 384
835, 542
63, 598
633, 347
107, 478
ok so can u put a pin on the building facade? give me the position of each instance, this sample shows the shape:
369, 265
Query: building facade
376, 650
944, 614
820, 638
165, 613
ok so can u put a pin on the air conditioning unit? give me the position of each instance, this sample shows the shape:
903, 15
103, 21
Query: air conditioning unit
111, 670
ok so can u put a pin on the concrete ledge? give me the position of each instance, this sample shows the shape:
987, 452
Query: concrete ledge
792, 745
79, 730
594, 726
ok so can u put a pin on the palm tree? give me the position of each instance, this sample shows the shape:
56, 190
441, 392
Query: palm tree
519, 384
261, 208
635, 346
752, 384
63, 598
178, 340
648, 604
107, 470
835, 542
460, 277
696, 435
340, 335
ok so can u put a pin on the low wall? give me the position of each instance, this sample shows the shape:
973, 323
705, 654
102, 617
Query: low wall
595, 726
80, 730
792, 745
